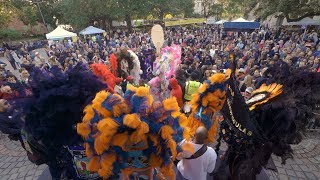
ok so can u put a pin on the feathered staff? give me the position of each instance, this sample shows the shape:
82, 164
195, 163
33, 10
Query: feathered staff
159, 66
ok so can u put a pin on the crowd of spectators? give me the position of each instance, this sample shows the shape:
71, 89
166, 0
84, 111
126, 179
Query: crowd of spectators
205, 50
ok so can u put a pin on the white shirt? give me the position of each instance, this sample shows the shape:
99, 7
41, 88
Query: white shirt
197, 169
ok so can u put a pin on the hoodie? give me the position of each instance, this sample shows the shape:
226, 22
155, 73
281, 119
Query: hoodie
176, 91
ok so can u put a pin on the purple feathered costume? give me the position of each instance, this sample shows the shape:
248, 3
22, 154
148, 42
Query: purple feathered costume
51, 114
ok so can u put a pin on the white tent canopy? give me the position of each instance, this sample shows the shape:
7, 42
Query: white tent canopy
91, 30
240, 20
221, 22
303, 22
60, 33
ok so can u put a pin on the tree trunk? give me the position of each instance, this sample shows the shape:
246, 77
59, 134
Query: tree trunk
279, 21
128, 21
310, 14
100, 23
91, 22
105, 23
161, 15
161, 18
30, 30
109, 23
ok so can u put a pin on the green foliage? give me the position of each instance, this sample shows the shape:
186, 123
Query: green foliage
81, 13
25, 11
76, 12
216, 10
26, 29
225, 9
9, 34
187, 8
293, 10
162, 7
49, 10
28, 15
230, 9
37, 28
6, 12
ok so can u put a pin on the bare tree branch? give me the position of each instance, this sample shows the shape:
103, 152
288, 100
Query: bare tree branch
310, 14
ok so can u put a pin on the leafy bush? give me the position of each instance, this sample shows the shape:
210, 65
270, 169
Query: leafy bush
26, 30
37, 29
9, 34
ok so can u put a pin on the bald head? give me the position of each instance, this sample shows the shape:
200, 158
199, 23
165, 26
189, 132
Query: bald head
201, 135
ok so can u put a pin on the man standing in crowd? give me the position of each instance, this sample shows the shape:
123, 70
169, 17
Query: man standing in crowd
199, 164
191, 87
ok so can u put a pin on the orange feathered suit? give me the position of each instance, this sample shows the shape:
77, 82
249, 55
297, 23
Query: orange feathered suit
206, 103
133, 134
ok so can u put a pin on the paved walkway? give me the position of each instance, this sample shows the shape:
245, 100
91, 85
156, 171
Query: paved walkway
304, 165
14, 163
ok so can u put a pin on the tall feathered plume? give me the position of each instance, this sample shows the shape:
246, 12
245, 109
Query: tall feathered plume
104, 73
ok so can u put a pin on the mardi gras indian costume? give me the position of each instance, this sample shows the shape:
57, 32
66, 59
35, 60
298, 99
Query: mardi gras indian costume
165, 68
50, 115
133, 135
136, 71
207, 103
125, 63
265, 124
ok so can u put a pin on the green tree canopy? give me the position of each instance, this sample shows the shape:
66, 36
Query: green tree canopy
226, 9
81, 13
293, 10
216, 10
28, 15
7, 11
159, 8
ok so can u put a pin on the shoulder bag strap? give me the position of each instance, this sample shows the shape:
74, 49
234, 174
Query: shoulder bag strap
199, 153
